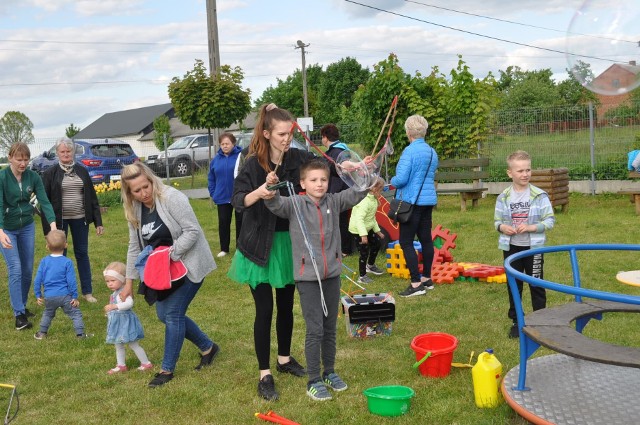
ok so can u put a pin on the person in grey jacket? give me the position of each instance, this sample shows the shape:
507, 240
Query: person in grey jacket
161, 215
320, 212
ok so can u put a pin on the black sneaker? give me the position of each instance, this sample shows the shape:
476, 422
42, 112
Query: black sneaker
292, 367
513, 332
22, 322
428, 284
207, 359
373, 269
160, 379
267, 388
40, 335
412, 292
28, 313
84, 336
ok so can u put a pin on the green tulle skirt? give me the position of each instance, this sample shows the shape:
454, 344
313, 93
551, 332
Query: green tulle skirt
279, 269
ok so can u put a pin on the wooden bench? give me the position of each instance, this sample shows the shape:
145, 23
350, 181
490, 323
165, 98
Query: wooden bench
468, 173
552, 328
633, 193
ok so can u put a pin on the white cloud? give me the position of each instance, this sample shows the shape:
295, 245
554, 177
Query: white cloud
108, 7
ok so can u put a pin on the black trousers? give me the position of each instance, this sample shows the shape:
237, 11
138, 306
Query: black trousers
225, 213
368, 251
346, 241
533, 266
263, 300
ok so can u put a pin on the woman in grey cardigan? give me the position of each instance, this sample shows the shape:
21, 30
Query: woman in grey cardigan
161, 215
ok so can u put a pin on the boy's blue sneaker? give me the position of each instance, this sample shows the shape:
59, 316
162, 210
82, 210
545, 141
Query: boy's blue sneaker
318, 391
334, 382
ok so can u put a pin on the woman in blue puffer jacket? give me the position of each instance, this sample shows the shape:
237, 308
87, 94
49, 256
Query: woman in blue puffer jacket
414, 182
221, 188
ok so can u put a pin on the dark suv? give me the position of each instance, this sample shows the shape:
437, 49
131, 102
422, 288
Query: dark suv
103, 158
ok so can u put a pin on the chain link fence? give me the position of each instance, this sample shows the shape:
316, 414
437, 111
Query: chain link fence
591, 143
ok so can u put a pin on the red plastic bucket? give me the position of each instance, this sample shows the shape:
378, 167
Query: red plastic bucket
441, 346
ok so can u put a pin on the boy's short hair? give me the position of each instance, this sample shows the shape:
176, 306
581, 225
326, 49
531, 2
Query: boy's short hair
314, 164
56, 240
518, 156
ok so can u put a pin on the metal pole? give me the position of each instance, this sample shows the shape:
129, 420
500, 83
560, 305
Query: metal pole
592, 138
166, 157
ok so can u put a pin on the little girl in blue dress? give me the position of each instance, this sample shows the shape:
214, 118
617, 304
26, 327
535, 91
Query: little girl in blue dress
123, 326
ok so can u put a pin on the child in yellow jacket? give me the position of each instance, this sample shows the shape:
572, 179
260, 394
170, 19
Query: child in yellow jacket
365, 229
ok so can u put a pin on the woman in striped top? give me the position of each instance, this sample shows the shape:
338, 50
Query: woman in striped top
75, 203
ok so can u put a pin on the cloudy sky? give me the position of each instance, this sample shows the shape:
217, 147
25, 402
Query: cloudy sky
71, 61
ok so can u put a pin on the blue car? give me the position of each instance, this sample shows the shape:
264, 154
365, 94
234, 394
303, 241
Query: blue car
103, 158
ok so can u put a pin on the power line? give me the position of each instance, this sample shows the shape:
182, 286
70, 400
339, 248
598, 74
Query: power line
476, 34
514, 22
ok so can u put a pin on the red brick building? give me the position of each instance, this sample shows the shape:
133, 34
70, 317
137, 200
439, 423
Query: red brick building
615, 79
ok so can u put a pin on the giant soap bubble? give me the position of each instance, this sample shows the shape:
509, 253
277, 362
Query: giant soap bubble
354, 171
603, 45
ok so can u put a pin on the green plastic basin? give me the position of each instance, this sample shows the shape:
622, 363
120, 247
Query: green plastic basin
389, 400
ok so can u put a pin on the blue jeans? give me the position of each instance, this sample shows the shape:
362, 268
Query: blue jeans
172, 311
418, 225
19, 259
52, 304
80, 235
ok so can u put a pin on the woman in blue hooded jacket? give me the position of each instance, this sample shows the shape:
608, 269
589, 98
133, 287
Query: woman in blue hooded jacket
221, 188
414, 182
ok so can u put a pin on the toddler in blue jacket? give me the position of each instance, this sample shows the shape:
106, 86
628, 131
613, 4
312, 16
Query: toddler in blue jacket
56, 287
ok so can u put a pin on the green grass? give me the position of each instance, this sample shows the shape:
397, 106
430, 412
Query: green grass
61, 379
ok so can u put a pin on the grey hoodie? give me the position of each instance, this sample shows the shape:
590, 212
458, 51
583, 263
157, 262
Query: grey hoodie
322, 224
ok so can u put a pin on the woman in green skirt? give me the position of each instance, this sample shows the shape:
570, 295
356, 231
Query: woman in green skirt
263, 257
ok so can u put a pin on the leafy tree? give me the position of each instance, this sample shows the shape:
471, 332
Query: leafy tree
337, 88
572, 92
163, 129
203, 101
457, 108
371, 104
288, 93
71, 131
15, 127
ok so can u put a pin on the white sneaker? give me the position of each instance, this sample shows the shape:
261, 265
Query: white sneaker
221, 254
90, 298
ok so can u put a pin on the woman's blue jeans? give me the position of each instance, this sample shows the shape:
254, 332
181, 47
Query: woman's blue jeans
172, 311
80, 235
19, 259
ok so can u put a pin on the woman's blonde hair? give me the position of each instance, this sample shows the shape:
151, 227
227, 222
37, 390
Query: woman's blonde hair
416, 126
19, 148
131, 172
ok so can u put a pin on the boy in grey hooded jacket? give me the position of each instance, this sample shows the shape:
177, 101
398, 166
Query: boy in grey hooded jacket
320, 212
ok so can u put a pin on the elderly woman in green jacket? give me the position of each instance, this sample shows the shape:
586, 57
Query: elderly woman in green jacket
20, 188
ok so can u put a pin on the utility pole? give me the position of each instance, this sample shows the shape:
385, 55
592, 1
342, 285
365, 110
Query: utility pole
301, 46
214, 42
214, 55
